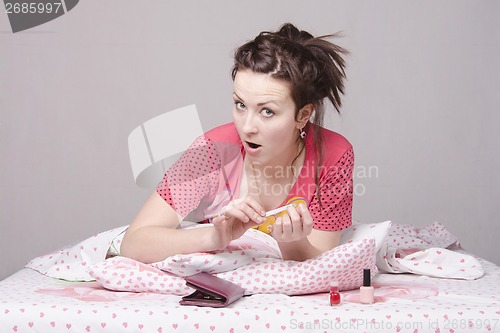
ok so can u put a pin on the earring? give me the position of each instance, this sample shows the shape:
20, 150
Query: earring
302, 133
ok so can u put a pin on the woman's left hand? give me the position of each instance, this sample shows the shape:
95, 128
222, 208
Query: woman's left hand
294, 226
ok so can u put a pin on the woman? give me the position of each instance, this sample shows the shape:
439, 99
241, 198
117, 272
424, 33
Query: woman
274, 150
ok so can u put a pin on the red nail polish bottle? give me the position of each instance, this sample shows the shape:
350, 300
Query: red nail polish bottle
334, 293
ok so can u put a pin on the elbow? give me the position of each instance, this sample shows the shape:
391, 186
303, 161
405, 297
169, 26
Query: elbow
132, 253
129, 250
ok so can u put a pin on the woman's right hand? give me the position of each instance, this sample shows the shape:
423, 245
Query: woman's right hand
236, 219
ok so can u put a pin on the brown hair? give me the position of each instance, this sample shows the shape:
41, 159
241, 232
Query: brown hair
313, 67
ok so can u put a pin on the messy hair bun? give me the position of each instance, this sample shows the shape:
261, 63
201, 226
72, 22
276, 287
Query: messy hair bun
312, 65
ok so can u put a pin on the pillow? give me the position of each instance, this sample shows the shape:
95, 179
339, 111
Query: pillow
344, 263
124, 274
435, 262
266, 275
253, 246
358, 231
71, 263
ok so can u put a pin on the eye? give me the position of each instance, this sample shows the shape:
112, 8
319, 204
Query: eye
239, 105
267, 113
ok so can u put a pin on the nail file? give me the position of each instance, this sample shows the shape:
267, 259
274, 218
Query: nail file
277, 210
269, 213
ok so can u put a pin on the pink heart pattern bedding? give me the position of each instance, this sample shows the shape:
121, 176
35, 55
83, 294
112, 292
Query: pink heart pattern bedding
263, 275
254, 262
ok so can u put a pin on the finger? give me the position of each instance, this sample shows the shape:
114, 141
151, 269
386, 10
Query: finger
277, 228
249, 206
236, 212
303, 210
307, 220
297, 221
244, 213
295, 218
255, 205
249, 210
287, 226
217, 220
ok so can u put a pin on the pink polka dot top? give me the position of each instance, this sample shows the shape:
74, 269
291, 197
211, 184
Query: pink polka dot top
207, 177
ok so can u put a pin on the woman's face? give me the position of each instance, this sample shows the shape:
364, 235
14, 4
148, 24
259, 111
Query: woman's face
264, 115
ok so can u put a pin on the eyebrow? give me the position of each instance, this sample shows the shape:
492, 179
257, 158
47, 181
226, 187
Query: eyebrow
258, 104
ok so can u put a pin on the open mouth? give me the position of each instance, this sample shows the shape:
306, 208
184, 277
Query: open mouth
253, 145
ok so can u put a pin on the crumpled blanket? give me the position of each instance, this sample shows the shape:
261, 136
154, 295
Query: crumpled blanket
430, 250
71, 263
254, 261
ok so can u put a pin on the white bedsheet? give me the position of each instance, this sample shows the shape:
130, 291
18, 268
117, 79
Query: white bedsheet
470, 302
32, 302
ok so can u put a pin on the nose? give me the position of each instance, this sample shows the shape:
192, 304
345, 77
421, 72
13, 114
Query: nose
249, 124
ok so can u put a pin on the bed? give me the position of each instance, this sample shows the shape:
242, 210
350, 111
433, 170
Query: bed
79, 288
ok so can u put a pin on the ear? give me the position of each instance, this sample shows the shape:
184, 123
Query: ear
304, 115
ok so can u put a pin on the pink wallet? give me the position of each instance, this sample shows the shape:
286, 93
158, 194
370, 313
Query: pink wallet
211, 291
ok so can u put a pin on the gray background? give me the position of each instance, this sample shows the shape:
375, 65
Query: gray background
421, 108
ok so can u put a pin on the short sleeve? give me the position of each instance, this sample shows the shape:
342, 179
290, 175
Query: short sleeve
336, 195
193, 177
